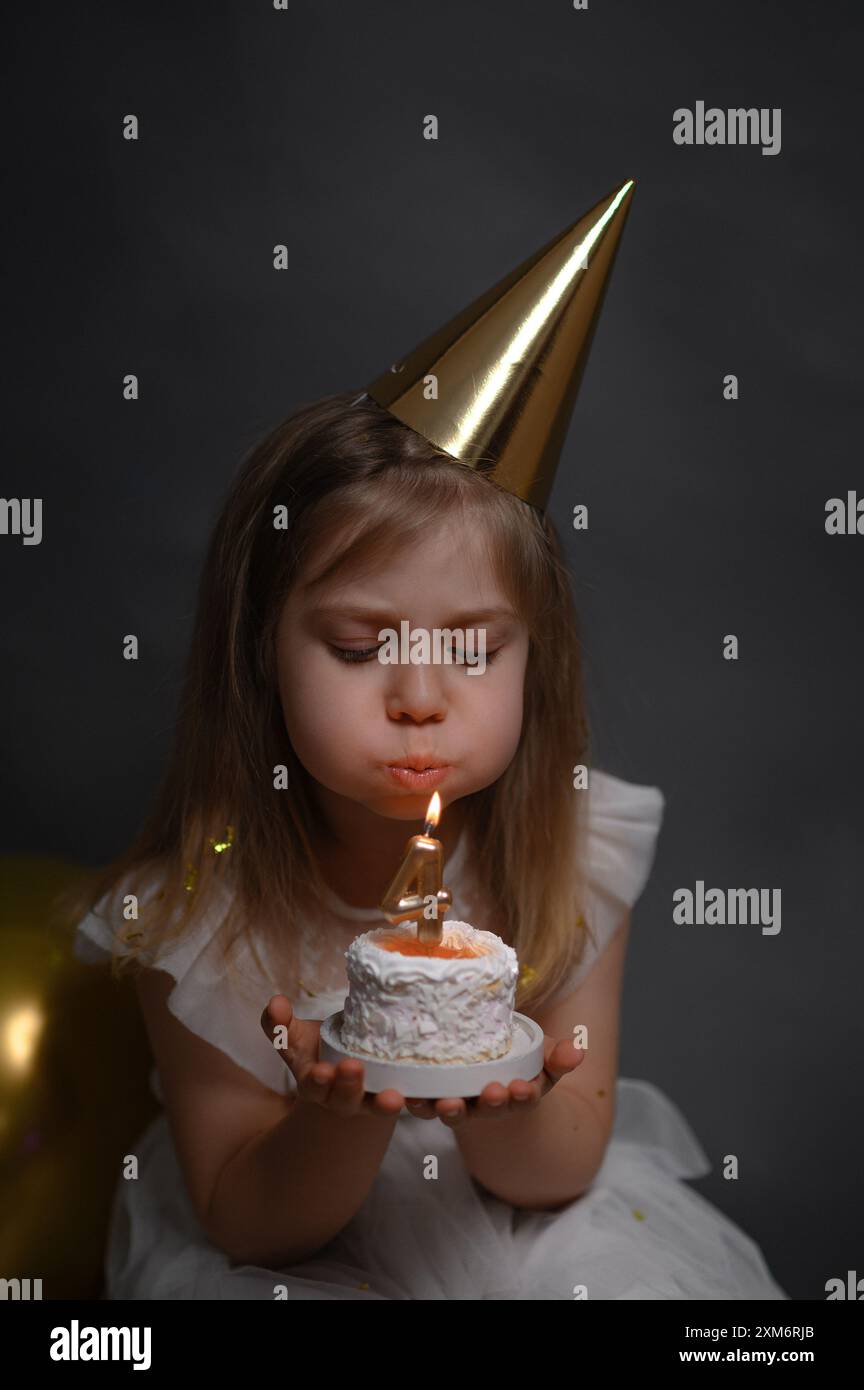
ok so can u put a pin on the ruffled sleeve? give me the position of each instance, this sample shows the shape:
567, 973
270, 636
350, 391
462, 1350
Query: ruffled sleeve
224, 1009
96, 933
623, 823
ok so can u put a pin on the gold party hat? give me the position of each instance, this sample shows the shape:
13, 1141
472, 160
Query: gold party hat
507, 369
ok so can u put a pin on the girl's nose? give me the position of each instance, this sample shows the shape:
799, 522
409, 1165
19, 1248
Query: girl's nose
416, 691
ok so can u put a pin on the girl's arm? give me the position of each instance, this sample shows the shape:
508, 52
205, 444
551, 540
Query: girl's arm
272, 1179
550, 1155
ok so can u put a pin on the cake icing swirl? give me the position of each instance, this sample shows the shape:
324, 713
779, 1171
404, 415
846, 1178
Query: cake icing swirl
426, 1008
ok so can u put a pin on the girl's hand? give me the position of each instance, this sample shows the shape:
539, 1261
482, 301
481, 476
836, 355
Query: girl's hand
337, 1088
559, 1058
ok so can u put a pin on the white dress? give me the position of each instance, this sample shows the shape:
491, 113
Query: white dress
638, 1233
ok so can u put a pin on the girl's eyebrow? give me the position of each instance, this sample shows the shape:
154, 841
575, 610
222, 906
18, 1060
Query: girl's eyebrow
387, 619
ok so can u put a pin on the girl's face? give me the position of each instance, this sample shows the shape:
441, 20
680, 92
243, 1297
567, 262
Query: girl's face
350, 720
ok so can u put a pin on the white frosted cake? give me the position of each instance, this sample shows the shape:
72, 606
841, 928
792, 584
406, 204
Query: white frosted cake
406, 1004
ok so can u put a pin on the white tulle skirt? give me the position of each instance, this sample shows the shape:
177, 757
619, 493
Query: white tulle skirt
638, 1233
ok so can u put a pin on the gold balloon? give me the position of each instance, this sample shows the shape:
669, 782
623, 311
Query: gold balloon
74, 1086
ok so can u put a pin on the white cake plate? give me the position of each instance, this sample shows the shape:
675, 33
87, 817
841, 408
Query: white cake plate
440, 1080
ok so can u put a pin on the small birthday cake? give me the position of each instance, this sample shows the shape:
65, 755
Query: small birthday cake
412, 1002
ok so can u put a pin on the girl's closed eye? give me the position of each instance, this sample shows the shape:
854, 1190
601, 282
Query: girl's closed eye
350, 654
355, 653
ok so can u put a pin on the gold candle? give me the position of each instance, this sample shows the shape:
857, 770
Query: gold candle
421, 866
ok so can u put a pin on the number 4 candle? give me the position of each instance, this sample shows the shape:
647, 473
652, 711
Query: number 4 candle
421, 868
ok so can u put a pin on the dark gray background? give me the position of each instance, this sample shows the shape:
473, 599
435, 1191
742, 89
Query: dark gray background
707, 517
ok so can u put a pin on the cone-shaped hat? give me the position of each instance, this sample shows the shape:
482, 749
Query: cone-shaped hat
508, 367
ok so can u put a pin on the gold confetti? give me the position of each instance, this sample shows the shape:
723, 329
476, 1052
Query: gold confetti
311, 992
527, 974
640, 1216
220, 846
363, 1286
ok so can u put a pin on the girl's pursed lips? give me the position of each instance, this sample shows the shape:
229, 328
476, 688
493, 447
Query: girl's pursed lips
420, 762
412, 777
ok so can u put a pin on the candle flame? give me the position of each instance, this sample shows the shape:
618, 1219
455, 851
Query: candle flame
433, 814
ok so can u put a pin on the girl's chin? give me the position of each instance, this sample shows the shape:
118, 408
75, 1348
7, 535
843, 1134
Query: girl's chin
408, 808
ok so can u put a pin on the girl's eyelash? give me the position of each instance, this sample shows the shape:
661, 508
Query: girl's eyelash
353, 654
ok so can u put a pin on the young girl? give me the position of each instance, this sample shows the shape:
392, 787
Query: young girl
279, 825
270, 1171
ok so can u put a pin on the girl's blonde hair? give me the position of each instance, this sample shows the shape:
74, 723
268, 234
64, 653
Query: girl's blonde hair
218, 818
